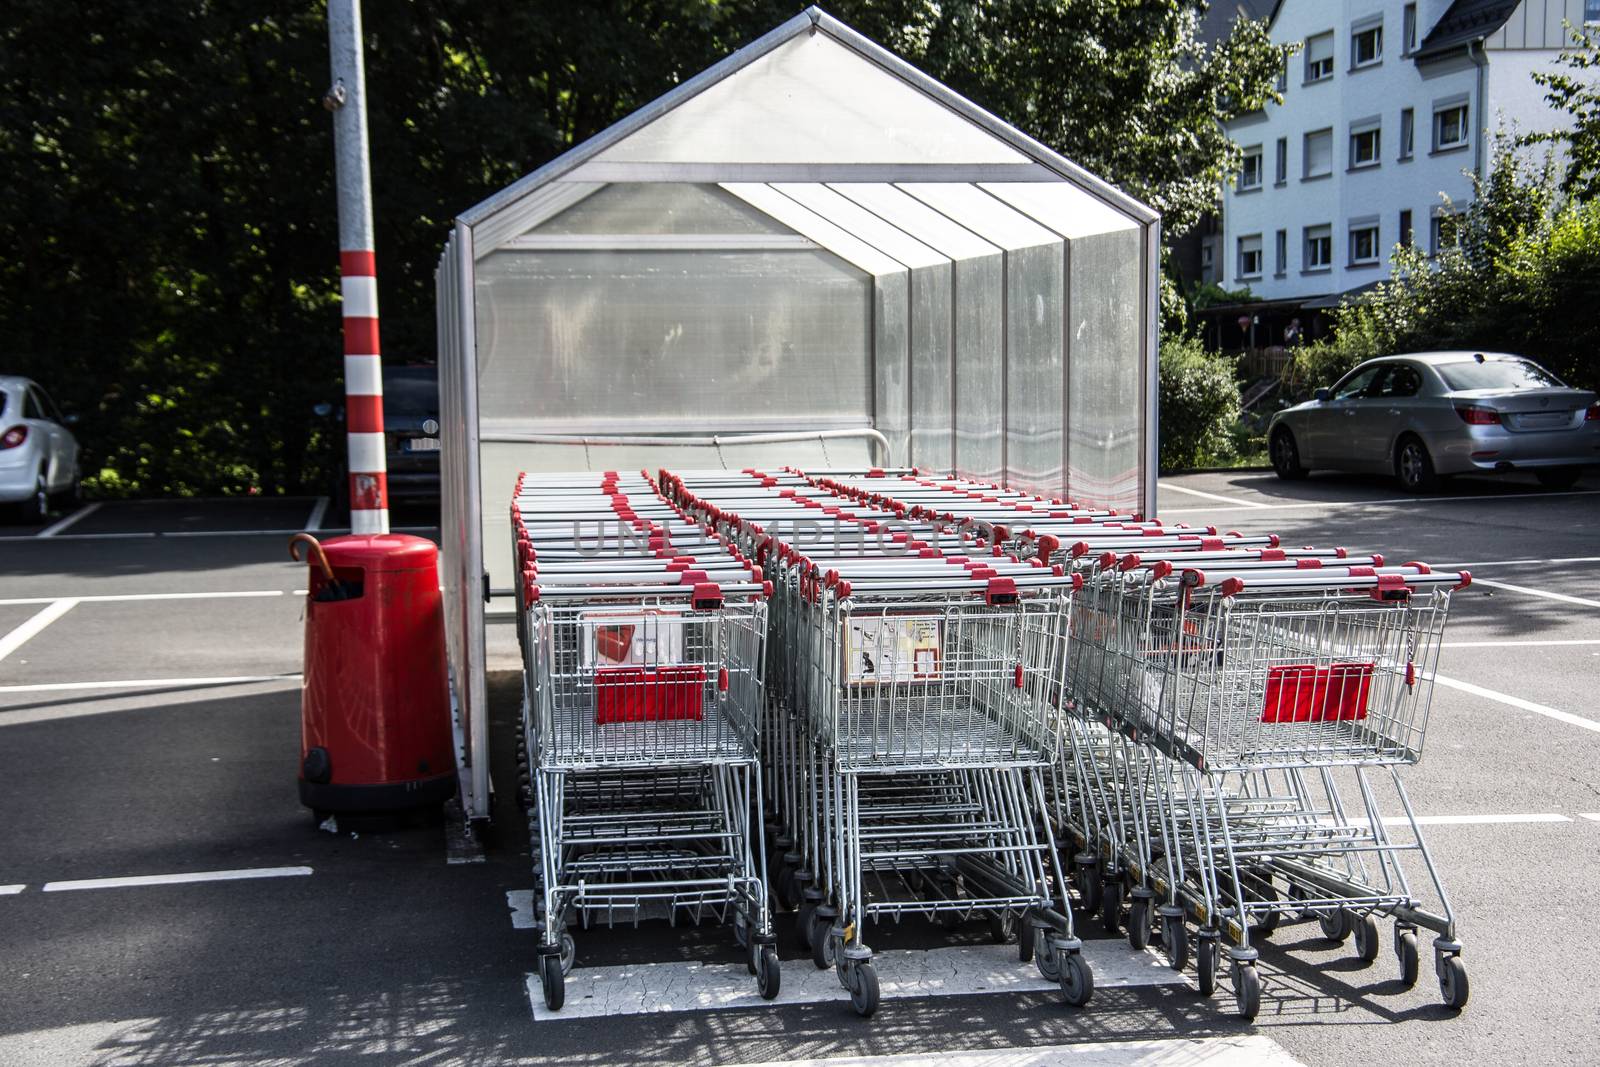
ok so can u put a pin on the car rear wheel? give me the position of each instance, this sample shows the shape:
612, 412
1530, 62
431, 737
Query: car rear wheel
35, 508
1414, 466
1558, 477
1286, 456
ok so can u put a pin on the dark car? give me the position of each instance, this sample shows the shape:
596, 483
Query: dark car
411, 436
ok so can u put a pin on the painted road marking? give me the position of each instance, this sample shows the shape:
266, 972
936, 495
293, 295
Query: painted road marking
648, 988
35, 625
1517, 702
176, 879
11, 890
146, 683
1564, 598
1477, 820
1522, 562
115, 598
1536, 643
1252, 1050
202, 533
318, 512
1211, 496
63, 523
1382, 503
1593, 816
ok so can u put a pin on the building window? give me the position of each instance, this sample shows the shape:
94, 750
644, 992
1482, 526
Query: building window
1591, 12
1319, 57
1366, 46
1409, 29
1250, 256
1445, 232
1280, 258
1319, 248
1319, 154
1363, 242
1282, 172
1207, 258
1449, 127
1250, 169
1408, 132
1365, 144
1407, 238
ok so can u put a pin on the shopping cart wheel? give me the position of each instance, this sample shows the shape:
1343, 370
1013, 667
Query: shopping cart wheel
555, 986
1139, 922
1335, 924
824, 947
1175, 940
863, 988
1366, 931
1045, 957
805, 919
1111, 905
1246, 990
1002, 927
768, 978
1025, 936
1077, 980
1453, 982
569, 953
1088, 882
1405, 949
1207, 944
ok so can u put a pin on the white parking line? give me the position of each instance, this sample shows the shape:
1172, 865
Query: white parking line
1483, 499
69, 520
1517, 702
1535, 643
648, 988
1592, 816
1245, 1050
11, 890
1478, 820
1524, 562
146, 683
176, 879
78, 537
1210, 496
114, 598
20, 636
1564, 598
318, 512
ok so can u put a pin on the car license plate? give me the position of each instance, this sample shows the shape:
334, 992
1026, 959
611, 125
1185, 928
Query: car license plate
1543, 420
421, 444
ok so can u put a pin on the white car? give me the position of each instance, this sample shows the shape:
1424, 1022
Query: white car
38, 454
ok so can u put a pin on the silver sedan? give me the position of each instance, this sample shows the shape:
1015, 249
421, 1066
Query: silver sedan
1428, 415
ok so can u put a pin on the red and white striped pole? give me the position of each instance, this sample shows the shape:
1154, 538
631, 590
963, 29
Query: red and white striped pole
363, 366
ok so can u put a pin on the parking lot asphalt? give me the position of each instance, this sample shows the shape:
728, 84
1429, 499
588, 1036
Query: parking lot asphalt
144, 733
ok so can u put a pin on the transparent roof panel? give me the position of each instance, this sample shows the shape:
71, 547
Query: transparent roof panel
811, 100
808, 223
662, 207
1064, 208
857, 220
936, 230
986, 216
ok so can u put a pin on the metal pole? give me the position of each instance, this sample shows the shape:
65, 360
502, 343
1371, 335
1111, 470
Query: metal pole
363, 375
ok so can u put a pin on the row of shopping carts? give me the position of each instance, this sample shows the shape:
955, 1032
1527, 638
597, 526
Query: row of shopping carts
868, 695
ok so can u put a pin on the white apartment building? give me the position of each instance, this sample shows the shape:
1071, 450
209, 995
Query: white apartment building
1384, 108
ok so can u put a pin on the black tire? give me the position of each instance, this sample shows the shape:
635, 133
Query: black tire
1206, 952
1045, 957
569, 953
1367, 943
35, 509
1246, 991
804, 920
769, 980
1558, 477
1453, 985
1414, 467
1111, 907
1335, 924
1405, 950
1077, 980
864, 991
1139, 923
1175, 940
72, 496
554, 983
823, 951
1002, 927
1285, 455
1025, 946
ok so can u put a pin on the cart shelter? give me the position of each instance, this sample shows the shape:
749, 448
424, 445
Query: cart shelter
810, 254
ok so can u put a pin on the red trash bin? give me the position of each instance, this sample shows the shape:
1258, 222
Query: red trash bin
375, 701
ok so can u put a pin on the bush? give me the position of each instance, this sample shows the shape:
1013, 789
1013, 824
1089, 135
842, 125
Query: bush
1199, 404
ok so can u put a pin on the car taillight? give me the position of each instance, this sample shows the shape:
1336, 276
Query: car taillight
1476, 416
13, 437
1593, 414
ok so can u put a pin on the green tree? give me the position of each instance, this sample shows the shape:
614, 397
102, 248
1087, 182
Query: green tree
1576, 91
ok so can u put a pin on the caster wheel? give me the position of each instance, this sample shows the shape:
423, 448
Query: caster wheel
741, 931
1246, 991
1175, 939
1025, 937
824, 952
789, 890
1111, 907
804, 920
1002, 927
768, 978
1045, 957
554, 983
1205, 964
1366, 931
1139, 923
569, 953
1405, 949
1335, 924
1077, 980
1453, 982
864, 989
1088, 888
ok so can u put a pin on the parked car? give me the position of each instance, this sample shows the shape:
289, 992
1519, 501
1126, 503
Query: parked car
1428, 415
410, 432
38, 454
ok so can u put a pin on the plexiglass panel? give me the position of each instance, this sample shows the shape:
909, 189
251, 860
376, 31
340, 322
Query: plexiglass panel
980, 367
1064, 208
812, 100
610, 342
891, 346
1034, 368
1105, 299
661, 207
981, 213
932, 431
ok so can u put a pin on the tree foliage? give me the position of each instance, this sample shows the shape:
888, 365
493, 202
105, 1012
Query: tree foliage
171, 268
1199, 403
1576, 91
